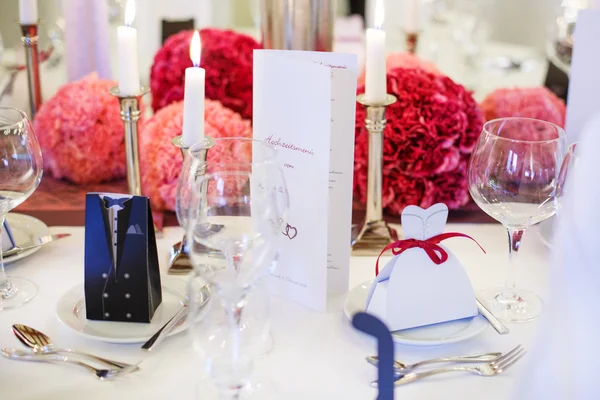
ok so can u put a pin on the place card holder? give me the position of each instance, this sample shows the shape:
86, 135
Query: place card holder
8, 240
122, 277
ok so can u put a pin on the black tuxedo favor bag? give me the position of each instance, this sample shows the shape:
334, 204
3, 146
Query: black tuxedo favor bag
122, 278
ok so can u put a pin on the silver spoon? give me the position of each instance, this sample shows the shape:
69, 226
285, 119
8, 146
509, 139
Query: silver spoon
102, 374
42, 344
403, 368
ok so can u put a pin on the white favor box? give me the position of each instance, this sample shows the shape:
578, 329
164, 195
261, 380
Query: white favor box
411, 290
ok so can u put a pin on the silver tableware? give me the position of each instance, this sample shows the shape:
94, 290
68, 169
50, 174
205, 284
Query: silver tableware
492, 319
180, 263
180, 316
102, 374
40, 343
489, 369
32, 245
402, 368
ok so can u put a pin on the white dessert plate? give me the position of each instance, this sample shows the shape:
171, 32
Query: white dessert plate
25, 229
431, 335
71, 312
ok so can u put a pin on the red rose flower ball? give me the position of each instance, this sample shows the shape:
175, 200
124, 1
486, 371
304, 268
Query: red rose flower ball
430, 134
81, 133
161, 162
227, 58
539, 103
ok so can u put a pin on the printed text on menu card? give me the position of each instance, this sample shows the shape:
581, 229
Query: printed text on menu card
313, 130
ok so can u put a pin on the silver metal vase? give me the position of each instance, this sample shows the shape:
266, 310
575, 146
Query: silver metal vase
297, 24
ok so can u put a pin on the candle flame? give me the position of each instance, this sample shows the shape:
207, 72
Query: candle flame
195, 49
129, 12
379, 14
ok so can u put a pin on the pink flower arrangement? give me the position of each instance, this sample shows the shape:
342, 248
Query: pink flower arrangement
81, 133
430, 134
539, 103
403, 60
160, 161
227, 58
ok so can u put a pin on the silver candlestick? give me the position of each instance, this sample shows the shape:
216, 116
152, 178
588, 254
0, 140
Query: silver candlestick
180, 263
32, 61
130, 114
375, 233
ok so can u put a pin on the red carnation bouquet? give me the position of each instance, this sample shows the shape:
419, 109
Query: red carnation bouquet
227, 58
431, 131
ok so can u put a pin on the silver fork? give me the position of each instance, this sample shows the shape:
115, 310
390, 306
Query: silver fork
496, 367
102, 374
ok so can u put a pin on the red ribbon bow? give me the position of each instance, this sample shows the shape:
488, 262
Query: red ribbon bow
431, 246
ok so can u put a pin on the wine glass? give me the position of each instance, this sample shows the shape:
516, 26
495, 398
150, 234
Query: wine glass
513, 177
20, 174
236, 208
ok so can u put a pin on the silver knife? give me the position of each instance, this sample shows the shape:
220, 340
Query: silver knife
33, 244
492, 319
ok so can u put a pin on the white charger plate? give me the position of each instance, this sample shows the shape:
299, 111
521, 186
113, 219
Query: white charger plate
71, 312
431, 335
25, 229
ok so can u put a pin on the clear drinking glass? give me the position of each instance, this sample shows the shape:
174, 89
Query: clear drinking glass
236, 208
20, 174
513, 177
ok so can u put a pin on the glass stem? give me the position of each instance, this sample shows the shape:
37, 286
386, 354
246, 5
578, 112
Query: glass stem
3, 279
514, 242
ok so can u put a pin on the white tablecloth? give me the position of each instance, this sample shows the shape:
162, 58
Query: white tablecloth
316, 355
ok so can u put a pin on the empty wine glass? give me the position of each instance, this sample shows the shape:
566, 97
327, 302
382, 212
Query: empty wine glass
236, 208
513, 177
20, 174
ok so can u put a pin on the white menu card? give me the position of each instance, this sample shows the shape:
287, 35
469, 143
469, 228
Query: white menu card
584, 82
304, 106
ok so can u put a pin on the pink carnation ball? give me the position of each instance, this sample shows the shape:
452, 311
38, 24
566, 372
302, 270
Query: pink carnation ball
539, 103
404, 60
81, 133
160, 161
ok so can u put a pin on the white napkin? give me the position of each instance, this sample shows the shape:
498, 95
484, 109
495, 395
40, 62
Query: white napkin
563, 361
87, 38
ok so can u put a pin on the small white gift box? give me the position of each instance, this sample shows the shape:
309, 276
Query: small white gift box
424, 283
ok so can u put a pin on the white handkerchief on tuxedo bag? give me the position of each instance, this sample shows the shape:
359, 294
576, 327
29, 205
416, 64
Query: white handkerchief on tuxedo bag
304, 107
411, 290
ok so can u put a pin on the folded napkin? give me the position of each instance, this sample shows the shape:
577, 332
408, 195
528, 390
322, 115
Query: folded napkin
564, 357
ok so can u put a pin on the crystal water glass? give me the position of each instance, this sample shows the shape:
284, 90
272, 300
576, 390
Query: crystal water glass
20, 174
236, 208
513, 177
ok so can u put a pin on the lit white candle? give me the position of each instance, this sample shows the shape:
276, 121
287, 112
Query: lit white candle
129, 75
411, 16
375, 81
193, 99
28, 12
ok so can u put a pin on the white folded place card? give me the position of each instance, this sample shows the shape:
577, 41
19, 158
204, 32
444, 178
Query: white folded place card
584, 82
412, 290
8, 241
304, 106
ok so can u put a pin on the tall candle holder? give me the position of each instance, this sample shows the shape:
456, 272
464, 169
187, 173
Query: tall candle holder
375, 233
180, 263
130, 115
32, 61
412, 40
